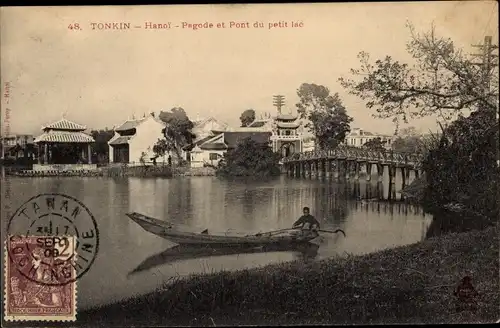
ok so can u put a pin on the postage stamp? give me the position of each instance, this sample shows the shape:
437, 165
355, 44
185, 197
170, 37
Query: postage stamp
50, 292
57, 215
53, 241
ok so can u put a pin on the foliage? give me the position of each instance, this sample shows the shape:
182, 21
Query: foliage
249, 158
375, 144
178, 132
443, 82
463, 168
161, 147
403, 284
328, 119
247, 117
101, 148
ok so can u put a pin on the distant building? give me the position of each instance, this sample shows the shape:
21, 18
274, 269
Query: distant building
17, 145
210, 151
64, 145
135, 137
357, 137
281, 132
203, 127
286, 132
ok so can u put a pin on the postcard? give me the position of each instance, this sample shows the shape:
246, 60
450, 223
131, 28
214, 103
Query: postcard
249, 164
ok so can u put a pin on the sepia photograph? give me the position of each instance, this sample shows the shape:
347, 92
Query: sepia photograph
250, 164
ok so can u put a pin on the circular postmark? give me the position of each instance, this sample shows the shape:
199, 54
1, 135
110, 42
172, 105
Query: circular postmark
53, 239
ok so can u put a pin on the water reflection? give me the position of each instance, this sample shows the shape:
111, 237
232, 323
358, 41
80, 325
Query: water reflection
178, 253
200, 203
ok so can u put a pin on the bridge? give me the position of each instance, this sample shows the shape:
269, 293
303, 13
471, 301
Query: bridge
347, 162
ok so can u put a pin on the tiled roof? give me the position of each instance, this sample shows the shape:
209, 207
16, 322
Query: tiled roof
64, 137
198, 142
287, 125
213, 146
64, 124
258, 123
121, 140
128, 125
232, 138
286, 117
206, 120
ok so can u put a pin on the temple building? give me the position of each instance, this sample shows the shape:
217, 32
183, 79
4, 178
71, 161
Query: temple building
282, 133
134, 140
63, 143
286, 137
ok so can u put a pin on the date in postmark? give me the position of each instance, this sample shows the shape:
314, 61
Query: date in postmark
59, 215
50, 292
53, 241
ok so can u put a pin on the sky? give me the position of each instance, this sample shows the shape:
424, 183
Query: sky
100, 78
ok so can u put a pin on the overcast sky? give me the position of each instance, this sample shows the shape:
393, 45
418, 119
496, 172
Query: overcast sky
99, 78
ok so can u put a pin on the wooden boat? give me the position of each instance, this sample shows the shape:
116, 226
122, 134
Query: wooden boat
166, 230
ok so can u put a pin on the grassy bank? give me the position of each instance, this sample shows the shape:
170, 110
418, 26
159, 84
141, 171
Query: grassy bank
410, 284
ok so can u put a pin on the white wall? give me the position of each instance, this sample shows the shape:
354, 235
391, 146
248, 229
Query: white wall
110, 155
147, 134
198, 158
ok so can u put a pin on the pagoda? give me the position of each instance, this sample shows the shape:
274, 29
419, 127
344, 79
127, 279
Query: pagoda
286, 136
64, 142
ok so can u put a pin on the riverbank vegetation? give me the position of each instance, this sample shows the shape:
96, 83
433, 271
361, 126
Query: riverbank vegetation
461, 169
250, 159
408, 284
178, 133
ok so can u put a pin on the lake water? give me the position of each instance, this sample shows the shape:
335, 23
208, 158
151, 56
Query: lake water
206, 202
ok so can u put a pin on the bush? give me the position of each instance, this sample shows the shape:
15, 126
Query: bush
463, 168
249, 158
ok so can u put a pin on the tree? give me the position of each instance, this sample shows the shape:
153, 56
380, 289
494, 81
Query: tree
442, 82
101, 148
161, 147
328, 119
463, 168
178, 132
247, 117
375, 144
249, 158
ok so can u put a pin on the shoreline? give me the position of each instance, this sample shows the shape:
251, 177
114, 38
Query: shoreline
407, 284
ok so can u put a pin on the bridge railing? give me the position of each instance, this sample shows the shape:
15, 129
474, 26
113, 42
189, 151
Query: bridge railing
360, 154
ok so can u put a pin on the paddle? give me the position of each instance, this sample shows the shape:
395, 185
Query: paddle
274, 232
335, 231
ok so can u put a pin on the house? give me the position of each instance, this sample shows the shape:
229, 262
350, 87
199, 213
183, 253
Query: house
134, 140
213, 149
204, 127
286, 132
17, 145
357, 137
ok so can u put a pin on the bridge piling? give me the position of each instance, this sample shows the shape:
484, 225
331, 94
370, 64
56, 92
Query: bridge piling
356, 166
368, 171
336, 170
321, 168
345, 161
380, 172
392, 174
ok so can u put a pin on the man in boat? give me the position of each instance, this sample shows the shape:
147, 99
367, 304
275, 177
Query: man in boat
307, 223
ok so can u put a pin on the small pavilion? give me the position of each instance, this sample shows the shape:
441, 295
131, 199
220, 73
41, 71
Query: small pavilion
64, 142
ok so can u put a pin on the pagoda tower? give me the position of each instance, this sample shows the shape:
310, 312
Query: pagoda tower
286, 138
